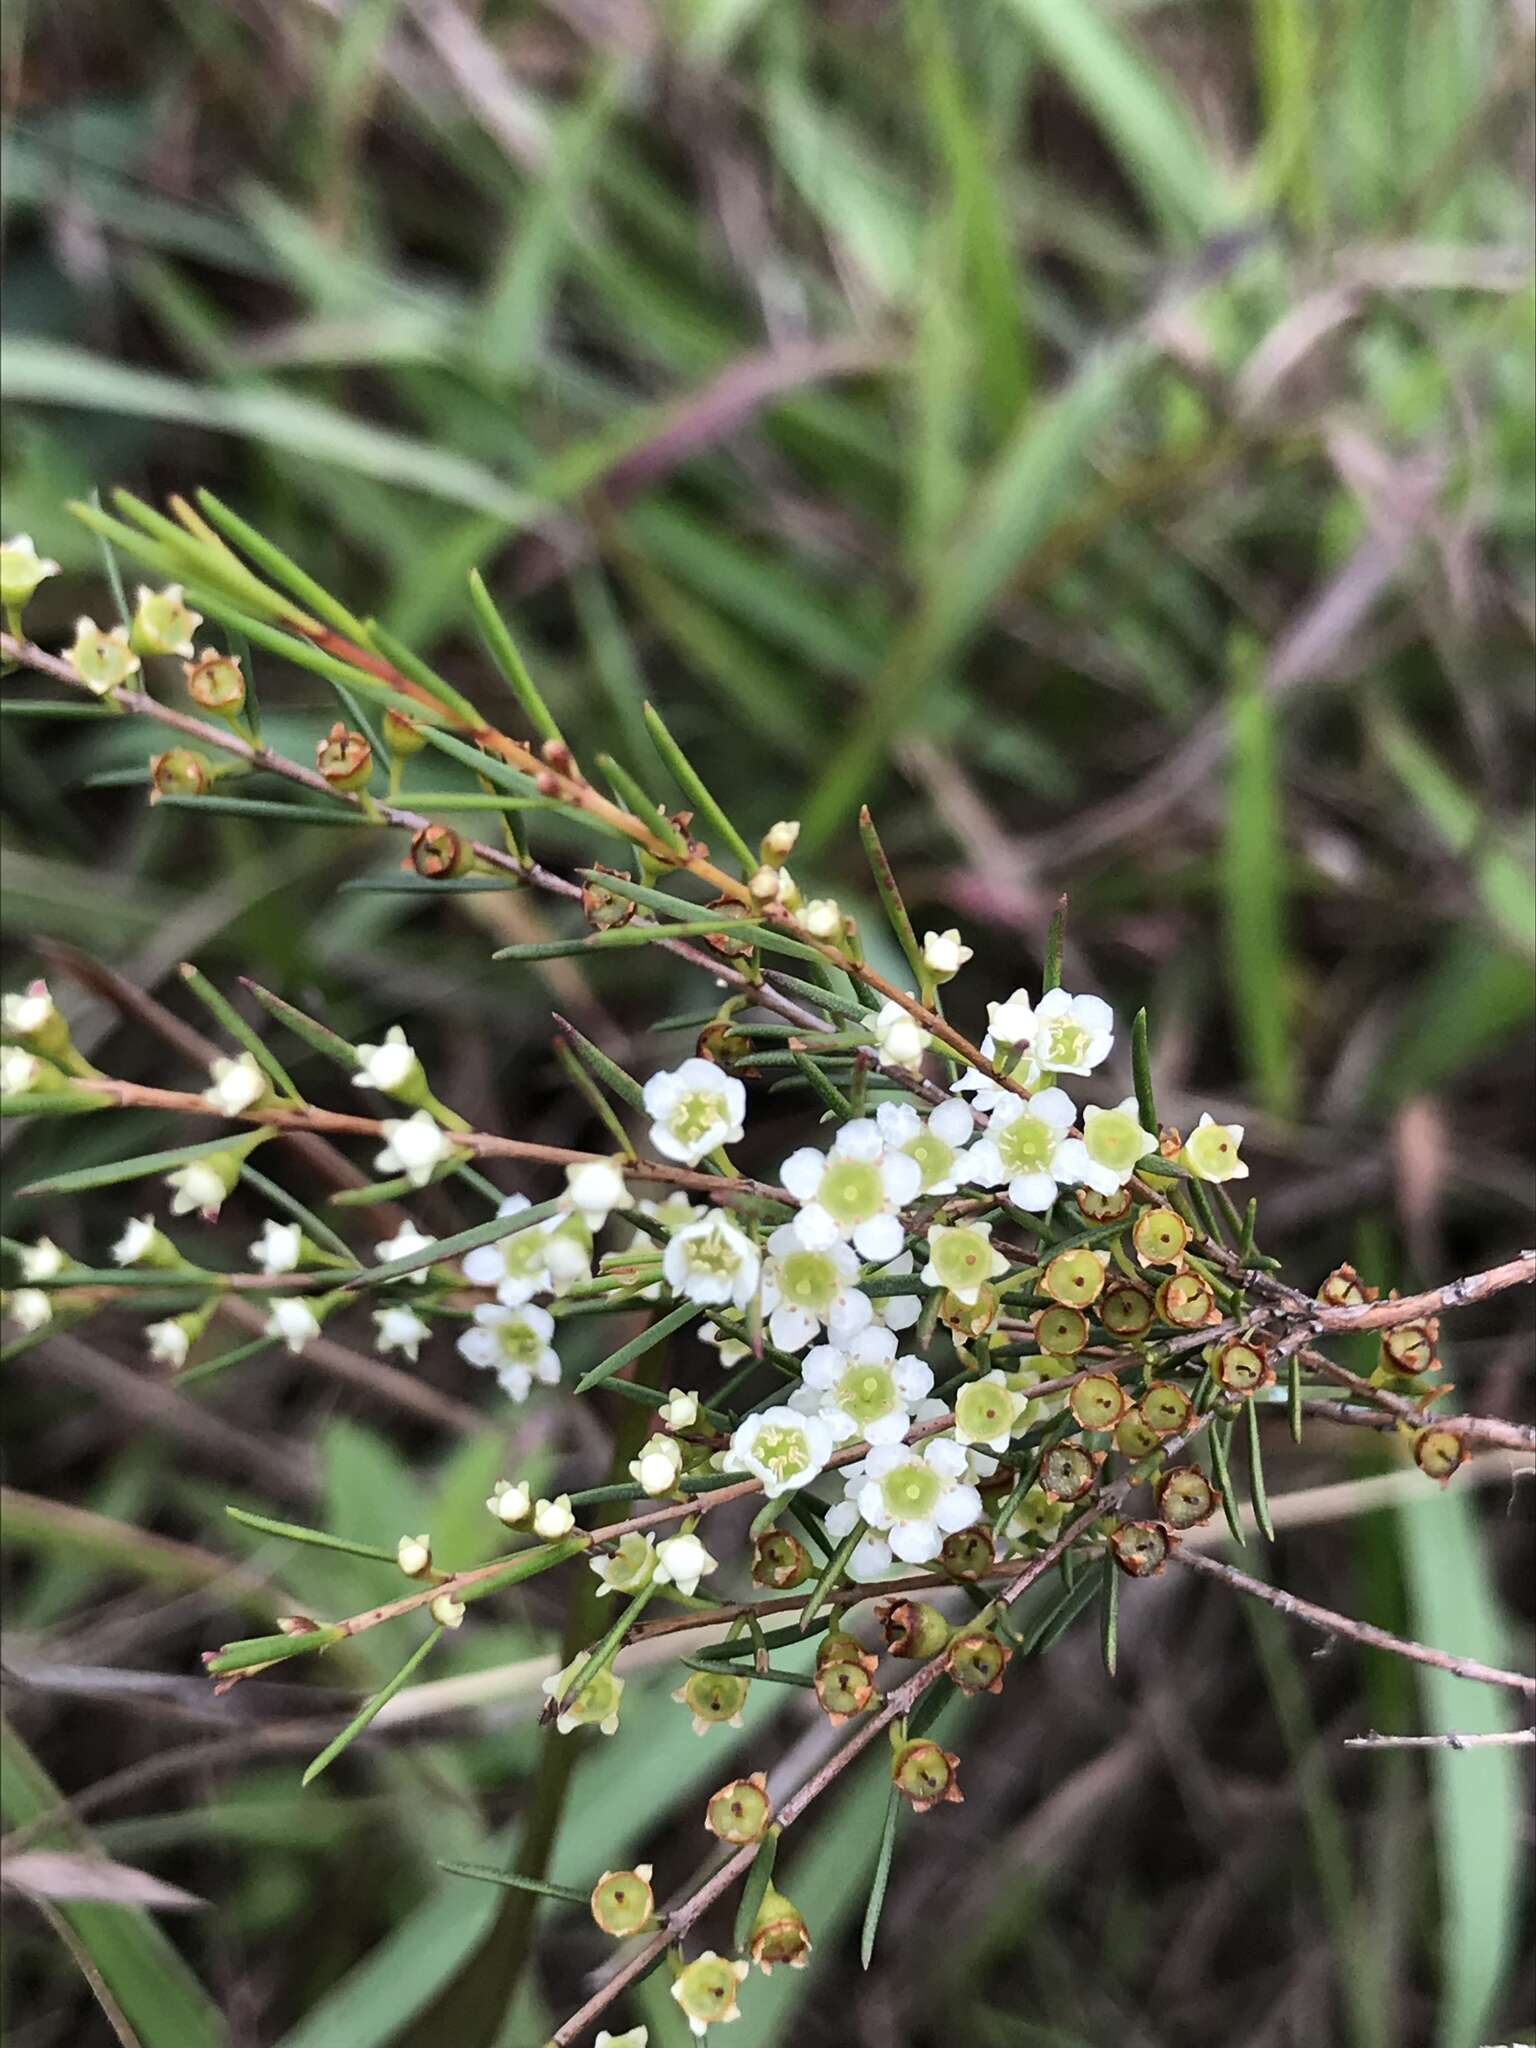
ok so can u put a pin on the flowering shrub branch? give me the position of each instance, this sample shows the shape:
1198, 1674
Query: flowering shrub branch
974, 1330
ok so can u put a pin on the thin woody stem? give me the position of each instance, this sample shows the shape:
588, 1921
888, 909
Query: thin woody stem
1492, 1738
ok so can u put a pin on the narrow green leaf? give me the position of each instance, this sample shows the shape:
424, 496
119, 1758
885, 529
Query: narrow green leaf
890, 895
270, 1650
453, 1247
1141, 1072
1055, 947
629, 793
833, 1097
370, 1709
881, 1878
278, 810
1109, 1620
637, 1347
1220, 1436
511, 1880
317, 1228
1293, 1395
594, 1097
832, 1572
319, 1037
503, 651
295, 1532
620, 937
755, 1889
113, 1172
280, 567
597, 1062
691, 783
221, 1008
1258, 1493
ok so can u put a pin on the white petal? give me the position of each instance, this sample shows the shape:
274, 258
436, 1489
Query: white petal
801, 1172
984, 1166
815, 1228
958, 1509
1032, 1191
901, 1177
952, 1122
878, 1237
871, 1505
859, 1139
478, 1347
942, 1454
789, 1328
916, 1542
1054, 1106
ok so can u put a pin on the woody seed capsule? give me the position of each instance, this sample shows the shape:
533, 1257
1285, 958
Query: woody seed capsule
1186, 1498
438, 853
1185, 1301
1140, 1548
779, 1561
977, 1660
926, 1775
912, 1628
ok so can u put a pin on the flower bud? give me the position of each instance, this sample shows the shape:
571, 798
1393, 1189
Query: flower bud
446, 1611
912, 1628
102, 660
553, 1519
1140, 1548
844, 1690
658, 1467
823, 919
36, 1020
1186, 1301
1440, 1453
413, 1554
344, 758
179, 771
1061, 1331
680, 1410
1410, 1348
1186, 1498
22, 569
1075, 1278
764, 884
1103, 1208
1242, 1366
631, 1567
30, 1307
1068, 1471
944, 955
779, 1933
1166, 1408
162, 622
967, 1553
1344, 1288
509, 1503
778, 842
403, 736
926, 1775
977, 1659
1099, 1401
623, 1902
780, 1561
1159, 1237
1126, 1310
439, 854
714, 1698
706, 1990
740, 1812
215, 682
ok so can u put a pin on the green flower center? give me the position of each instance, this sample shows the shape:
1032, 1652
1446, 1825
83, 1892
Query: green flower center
961, 1258
983, 1411
520, 1344
850, 1190
1026, 1145
866, 1392
809, 1280
782, 1449
1114, 1140
911, 1492
935, 1159
1211, 1150
713, 1255
694, 1116
598, 1698
1064, 1045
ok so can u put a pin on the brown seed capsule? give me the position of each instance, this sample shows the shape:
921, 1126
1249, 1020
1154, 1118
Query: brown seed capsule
779, 1561
1069, 1471
179, 771
1134, 1438
976, 1660
1140, 1548
1165, 1408
970, 1318
1075, 1278
1440, 1453
1061, 1331
713, 1698
601, 907
779, 1933
969, 1552
1186, 1498
623, 1902
215, 683
1242, 1366
926, 1775
740, 1812
438, 854
344, 758
912, 1628
1159, 1236
1410, 1348
1185, 1301
1103, 1208
1099, 1401
1126, 1310
1345, 1289
843, 1690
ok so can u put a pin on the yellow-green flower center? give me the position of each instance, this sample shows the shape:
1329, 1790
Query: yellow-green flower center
935, 1159
1114, 1139
961, 1258
782, 1449
809, 1280
911, 1492
850, 1190
1212, 1151
1064, 1043
1026, 1145
866, 1392
693, 1116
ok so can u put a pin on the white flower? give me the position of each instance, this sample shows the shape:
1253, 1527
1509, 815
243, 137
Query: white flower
30, 1307
22, 568
630, 1567
805, 1290
987, 1412
406, 1241
863, 1390
1105, 1157
548, 1257
101, 657
1022, 1146
514, 1344
199, 1186
822, 918
413, 1554
595, 1705
236, 1085
388, 1067
553, 1519
711, 1261
781, 1447
656, 1469
943, 954
896, 1311
1071, 1034
681, 1561
163, 623
854, 1191
278, 1247
18, 1070
168, 1344
139, 1234
915, 1496
1210, 1150
680, 1410
415, 1146
594, 1190
729, 1350
29, 1013
446, 1611
901, 1040
871, 1559
400, 1329
935, 1142
694, 1109
510, 1502
292, 1321
41, 1261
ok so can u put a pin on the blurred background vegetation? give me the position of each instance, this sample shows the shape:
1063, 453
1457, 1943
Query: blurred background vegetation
1098, 433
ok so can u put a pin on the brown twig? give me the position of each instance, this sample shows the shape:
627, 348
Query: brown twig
1493, 1738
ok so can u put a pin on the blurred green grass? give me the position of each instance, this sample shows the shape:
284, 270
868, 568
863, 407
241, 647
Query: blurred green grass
1098, 435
